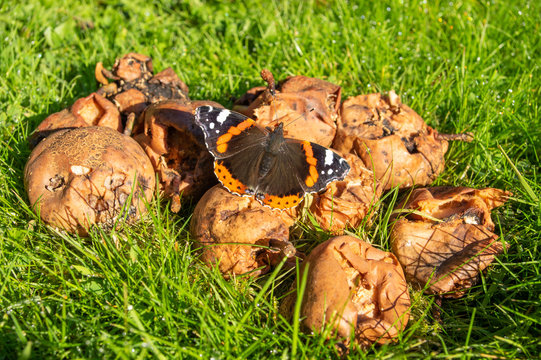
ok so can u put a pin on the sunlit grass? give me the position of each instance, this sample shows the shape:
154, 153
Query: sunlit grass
141, 292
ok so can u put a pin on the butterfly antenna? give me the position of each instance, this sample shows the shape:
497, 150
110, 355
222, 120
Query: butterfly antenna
299, 117
267, 76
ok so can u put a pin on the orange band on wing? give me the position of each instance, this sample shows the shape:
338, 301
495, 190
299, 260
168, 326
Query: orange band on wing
221, 143
222, 148
227, 179
237, 187
282, 202
312, 177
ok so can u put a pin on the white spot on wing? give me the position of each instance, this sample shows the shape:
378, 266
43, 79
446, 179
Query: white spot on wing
224, 114
217, 131
211, 125
329, 155
329, 172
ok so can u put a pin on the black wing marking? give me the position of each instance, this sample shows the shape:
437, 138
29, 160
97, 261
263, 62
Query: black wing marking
317, 167
300, 167
219, 125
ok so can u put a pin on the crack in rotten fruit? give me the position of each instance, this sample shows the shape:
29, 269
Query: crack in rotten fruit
363, 294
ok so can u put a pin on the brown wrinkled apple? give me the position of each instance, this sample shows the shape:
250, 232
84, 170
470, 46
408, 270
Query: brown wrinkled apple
240, 235
93, 110
135, 87
130, 67
356, 288
449, 238
85, 176
347, 203
308, 107
176, 147
392, 139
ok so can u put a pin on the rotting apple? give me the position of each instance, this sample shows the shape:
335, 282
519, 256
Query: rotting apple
357, 289
87, 176
443, 236
239, 235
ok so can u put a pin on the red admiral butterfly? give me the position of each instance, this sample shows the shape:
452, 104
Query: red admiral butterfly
260, 162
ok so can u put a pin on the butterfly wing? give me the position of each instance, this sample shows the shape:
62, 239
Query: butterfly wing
300, 167
239, 148
227, 132
237, 173
320, 166
280, 187
236, 144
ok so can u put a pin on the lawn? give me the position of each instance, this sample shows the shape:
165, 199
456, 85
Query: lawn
141, 292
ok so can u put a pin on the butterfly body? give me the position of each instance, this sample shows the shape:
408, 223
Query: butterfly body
260, 162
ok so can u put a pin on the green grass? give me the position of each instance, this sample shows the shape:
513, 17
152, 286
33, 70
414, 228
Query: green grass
463, 65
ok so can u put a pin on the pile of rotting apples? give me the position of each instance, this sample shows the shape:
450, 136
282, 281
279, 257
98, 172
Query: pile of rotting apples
95, 164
